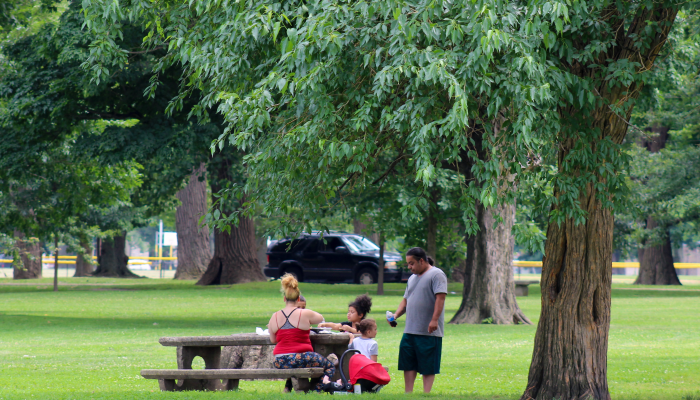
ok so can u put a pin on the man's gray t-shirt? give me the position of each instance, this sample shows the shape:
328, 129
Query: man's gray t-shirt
420, 301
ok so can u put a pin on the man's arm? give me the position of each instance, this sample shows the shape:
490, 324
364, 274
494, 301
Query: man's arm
401, 310
439, 306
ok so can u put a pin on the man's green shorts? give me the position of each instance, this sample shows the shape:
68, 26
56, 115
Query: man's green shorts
420, 353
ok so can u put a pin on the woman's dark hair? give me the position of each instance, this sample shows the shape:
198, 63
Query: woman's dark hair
419, 253
362, 304
366, 324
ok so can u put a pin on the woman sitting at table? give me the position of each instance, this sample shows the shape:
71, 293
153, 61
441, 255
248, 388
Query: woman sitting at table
357, 311
289, 329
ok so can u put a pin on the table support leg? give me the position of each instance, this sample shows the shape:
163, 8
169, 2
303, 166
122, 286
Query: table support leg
301, 384
210, 355
232, 384
166, 385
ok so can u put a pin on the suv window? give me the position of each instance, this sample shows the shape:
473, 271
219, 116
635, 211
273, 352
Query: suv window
359, 244
330, 245
313, 247
283, 245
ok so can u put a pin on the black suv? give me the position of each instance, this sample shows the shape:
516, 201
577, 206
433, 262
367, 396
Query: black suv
338, 257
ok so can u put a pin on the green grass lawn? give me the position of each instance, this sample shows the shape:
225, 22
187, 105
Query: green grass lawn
89, 340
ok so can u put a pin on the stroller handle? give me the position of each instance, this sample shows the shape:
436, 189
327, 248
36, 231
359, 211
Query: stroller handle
340, 366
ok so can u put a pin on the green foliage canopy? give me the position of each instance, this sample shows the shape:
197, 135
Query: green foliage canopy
316, 93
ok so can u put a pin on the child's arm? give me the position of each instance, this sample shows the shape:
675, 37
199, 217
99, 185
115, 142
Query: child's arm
347, 328
352, 337
374, 352
335, 327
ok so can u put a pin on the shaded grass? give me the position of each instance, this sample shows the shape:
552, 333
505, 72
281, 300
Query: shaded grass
89, 342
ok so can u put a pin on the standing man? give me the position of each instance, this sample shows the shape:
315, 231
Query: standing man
424, 306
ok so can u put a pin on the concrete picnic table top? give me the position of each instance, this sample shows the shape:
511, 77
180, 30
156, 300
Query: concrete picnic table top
246, 339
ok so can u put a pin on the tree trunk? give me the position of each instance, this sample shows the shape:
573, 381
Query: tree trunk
657, 142
192, 240
489, 288
83, 262
569, 359
235, 254
29, 256
380, 272
235, 259
360, 228
113, 261
55, 263
432, 222
656, 262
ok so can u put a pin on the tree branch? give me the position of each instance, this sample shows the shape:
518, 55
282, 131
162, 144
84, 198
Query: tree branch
93, 115
146, 51
391, 168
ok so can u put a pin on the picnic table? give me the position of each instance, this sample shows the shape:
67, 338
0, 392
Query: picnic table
213, 377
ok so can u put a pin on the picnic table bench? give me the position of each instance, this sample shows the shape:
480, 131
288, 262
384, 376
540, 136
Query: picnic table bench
213, 377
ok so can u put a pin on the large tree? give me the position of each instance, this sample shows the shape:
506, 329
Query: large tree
193, 240
235, 258
315, 92
663, 179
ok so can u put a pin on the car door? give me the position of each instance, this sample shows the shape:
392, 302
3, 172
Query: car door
337, 266
312, 261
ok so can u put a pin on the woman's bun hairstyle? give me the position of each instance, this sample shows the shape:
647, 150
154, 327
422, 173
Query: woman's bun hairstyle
430, 260
362, 304
290, 287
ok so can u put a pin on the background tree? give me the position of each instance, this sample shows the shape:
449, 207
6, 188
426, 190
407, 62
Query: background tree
168, 147
235, 259
662, 181
193, 245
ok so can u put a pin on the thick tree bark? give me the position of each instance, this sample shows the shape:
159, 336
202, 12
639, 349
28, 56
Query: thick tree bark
83, 262
488, 294
489, 288
113, 261
656, 262
235, 259
30, 257
569, 359
192, 240
235, 254
570, 355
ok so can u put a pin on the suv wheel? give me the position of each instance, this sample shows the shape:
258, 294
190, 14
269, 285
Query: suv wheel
296, 272
366, 276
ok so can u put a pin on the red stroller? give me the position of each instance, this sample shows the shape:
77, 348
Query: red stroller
366, 376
